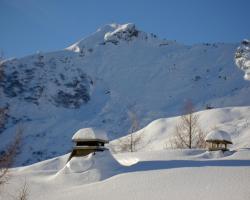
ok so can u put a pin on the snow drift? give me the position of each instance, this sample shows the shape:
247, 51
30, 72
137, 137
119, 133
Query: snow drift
175, 174
91, 168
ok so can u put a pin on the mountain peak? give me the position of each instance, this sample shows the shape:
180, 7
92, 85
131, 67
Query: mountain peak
125, 32
111, 33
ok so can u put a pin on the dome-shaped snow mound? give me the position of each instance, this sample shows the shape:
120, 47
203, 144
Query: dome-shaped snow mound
79, 164
90, 134
91, 168
218, 135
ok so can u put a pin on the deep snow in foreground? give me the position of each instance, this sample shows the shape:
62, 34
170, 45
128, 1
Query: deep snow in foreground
166, 174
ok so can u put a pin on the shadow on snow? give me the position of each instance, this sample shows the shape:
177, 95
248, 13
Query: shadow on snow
170, 164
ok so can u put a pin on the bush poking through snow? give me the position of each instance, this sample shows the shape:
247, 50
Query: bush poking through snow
24, 192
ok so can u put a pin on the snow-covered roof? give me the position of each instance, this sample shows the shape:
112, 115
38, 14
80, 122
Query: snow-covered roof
218, 135
90, 134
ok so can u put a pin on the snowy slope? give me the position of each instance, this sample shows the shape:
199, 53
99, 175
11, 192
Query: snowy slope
173, 174
159, 134
97, 80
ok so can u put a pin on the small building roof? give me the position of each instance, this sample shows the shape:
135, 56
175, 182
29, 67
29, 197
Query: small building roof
90, 134
218, 135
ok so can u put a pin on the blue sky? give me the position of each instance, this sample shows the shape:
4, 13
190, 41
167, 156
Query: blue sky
46, 25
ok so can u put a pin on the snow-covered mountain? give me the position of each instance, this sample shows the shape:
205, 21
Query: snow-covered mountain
97, 80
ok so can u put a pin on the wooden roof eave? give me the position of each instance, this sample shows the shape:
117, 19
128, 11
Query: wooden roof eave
219, 141
90, 147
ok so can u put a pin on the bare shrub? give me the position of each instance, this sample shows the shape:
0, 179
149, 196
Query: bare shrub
23, 192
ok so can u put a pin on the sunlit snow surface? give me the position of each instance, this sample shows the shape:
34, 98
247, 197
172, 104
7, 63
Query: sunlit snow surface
176, 174
158, 134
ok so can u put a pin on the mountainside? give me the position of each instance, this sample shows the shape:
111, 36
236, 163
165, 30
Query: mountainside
96, 81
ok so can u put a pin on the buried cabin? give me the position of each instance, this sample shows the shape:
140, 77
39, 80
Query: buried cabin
88, 140
218, 140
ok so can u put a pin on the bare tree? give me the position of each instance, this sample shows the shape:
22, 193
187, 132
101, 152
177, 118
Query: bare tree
188, 133
130, 142
7, 157
134, 140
